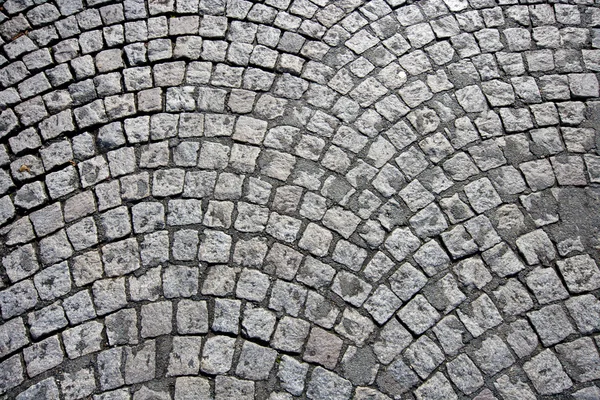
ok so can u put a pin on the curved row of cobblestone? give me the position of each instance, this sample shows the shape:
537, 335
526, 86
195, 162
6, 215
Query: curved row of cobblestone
313, 199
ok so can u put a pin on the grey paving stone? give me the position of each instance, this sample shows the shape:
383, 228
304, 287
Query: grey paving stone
229, 387
121, 327
258, 323
217, 355
43, 355
226, 316
255, 361
324, 384
109, 295
78, 383
553, 378
259, 74
360, 365
187, 387
79, 307
351, 288
121, 257
465, 375
192, 317
382, 304
140, 365
536, 247
580, 359
12, 373
46, 388
551, 333
21, 263
290, 334
424, 356
46, 320
588, 392
580, 273
214, 247
514, 386
12, 336
450, 331
292, 374
184, 357
180, 281
83, 339
287, 297
493, 355
418, 314
156, 319
147, 286
397, 378
354, 326
115, 223
480, 315
436, 387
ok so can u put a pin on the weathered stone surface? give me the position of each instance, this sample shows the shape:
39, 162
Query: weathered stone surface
299, 199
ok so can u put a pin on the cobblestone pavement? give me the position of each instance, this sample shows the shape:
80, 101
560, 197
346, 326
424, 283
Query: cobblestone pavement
308, 199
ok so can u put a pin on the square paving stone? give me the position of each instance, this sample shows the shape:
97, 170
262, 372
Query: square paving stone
351, 288
418, 314
464, 374
581, 273
326, 385
580, 359
323, 348
292, 374
250, 253
287, 297
354, 326
43, 356
522, 338
140, 362
449, 332
83, 339
436, 387
192, 317
424, 356
255, 361
493, 355
189, 387
480, 315
290, 334
258, 323
252, 285
551, 323
232, 388
226, 316
12, 336
585, 310
109, 295
217, 355
547, 374
11, 373
184, 358
546, 285
121, 327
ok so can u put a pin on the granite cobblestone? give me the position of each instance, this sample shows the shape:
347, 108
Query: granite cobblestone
299, 199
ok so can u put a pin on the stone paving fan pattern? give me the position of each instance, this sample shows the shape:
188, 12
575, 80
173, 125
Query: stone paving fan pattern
312, 199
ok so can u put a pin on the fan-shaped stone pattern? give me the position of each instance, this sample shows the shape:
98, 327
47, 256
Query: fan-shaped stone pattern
299, 198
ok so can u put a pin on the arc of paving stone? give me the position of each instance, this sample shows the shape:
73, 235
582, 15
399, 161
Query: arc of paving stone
396, 201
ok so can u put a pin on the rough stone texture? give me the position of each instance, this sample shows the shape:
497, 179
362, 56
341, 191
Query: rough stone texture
313, 199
